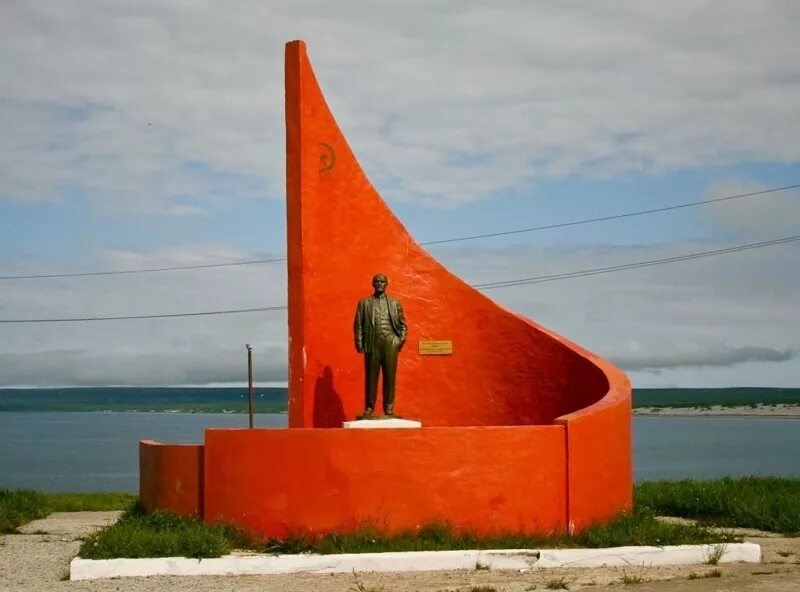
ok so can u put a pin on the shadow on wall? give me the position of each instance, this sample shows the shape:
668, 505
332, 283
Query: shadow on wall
328, 408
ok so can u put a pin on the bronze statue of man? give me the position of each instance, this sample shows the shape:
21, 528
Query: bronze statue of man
380, 332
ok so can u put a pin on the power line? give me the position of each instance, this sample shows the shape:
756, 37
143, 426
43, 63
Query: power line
426, 243
636, 265
614, 217
486, 286
159, 316
131, 271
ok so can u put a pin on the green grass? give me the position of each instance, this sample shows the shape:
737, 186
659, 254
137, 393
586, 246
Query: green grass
18, 506
766, 503
90, 502
638, 528
161, 534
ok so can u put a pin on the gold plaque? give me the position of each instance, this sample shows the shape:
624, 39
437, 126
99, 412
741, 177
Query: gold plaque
435, 348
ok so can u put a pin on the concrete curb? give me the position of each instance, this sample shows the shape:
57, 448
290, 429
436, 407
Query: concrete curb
92, 569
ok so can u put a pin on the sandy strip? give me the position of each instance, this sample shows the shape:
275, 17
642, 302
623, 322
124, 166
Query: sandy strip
782, 410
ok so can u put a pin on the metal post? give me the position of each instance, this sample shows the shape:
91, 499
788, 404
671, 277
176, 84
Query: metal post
250, 383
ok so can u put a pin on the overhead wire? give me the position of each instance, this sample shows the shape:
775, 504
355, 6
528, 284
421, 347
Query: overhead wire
484, 286
426, 243
635, 265
612, 217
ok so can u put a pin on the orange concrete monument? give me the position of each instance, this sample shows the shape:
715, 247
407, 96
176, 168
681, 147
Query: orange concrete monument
522, 431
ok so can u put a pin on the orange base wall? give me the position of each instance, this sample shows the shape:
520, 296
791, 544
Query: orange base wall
482, 479
171, 477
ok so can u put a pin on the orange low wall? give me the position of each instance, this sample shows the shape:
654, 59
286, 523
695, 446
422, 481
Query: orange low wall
171, 477
483, 479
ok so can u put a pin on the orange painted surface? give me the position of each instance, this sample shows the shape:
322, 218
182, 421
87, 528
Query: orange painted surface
600, 468
524, 430
504, 370
171, 477
485, 479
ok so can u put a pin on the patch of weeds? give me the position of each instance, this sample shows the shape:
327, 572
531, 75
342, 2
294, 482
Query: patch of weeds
714, 573
40, 531
641, 527
292, 545
161, 534
785, 553
716, 553
530, 588
631, 579
18, 506
635, 528
762, 573
359, 586
64, 577
483, 589
482, 566
559, 584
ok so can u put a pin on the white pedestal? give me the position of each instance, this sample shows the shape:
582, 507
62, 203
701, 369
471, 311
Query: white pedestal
372, 424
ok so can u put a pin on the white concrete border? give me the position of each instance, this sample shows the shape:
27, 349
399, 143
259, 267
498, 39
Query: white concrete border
91, 569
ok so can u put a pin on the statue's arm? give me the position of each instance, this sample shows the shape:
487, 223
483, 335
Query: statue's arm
401, 320
358, 328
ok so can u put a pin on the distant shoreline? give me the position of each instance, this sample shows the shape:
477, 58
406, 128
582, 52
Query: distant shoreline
163, 411
767, 411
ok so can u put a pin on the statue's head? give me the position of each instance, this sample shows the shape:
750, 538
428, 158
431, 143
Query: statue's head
379, 283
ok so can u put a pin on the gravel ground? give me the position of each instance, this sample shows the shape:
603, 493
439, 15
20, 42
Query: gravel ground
38, 560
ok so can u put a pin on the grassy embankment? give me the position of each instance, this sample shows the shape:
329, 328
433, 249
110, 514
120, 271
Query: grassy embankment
765, 503
18, 506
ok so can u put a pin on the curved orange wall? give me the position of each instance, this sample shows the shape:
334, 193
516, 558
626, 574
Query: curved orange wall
504, 370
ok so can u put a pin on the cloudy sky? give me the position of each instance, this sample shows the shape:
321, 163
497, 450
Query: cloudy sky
149, 133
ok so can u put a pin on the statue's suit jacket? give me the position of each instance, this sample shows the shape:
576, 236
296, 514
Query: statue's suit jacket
364, 328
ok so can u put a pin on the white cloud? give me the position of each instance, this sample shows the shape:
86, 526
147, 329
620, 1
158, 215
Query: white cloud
700, 356
720, 321
775, 214
443, 102
189, 350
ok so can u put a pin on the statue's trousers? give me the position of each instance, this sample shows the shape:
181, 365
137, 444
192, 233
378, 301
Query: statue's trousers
381, 359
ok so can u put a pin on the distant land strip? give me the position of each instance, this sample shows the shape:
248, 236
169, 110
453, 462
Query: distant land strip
692, 401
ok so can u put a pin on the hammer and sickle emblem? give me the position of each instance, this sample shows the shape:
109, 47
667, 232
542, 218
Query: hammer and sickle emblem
327, 157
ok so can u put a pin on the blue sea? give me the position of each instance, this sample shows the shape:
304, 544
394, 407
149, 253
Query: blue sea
92, 451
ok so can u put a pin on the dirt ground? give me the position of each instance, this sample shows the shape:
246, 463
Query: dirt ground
38, 560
